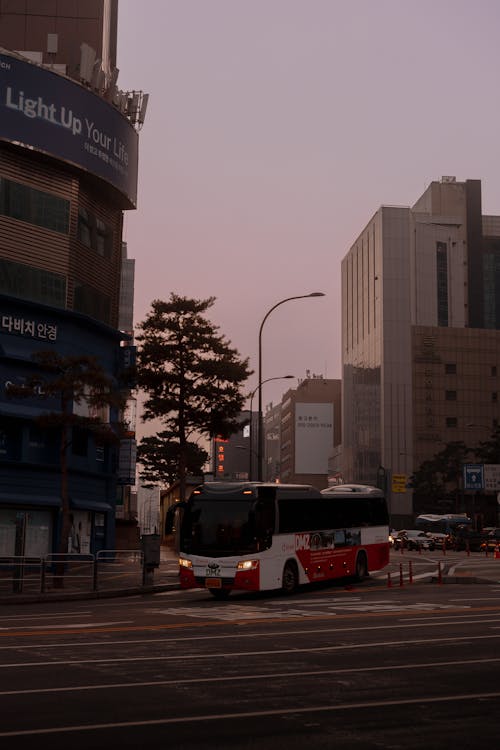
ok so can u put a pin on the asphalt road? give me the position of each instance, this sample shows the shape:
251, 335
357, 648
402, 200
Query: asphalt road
349, 667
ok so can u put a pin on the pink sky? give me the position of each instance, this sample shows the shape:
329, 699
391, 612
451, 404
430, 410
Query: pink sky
275, 129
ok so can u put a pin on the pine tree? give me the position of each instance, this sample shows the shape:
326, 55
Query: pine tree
191, 375
159, 457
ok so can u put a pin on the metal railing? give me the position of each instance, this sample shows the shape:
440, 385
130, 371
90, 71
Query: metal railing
107, 570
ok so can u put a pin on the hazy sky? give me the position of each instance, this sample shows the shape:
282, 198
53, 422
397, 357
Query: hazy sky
275, 129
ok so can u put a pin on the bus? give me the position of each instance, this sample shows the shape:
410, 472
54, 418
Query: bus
253, 536
443, 524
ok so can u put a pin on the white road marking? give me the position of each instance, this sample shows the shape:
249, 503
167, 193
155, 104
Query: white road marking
245, 654
247, 677
68, 626
254, 714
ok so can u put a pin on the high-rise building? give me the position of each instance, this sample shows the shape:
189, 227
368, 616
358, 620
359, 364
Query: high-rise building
68, 170
420, 336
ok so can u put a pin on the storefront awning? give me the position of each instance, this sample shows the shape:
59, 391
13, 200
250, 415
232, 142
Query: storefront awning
14, 498
79, 504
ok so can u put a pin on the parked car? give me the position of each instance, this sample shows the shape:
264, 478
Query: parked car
413, 539
492, 541
469, 539
441, 540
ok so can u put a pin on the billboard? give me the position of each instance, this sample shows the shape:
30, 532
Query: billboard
313, 437
42, 110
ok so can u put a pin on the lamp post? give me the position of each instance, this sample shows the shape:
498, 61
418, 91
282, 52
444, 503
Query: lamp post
257, 388
260, 383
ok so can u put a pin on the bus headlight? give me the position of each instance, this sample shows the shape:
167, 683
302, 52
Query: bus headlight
185, 563
248, 565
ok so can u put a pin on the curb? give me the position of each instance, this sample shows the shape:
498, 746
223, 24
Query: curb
83, 595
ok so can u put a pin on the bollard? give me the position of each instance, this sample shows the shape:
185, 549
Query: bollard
440, 576
389, 582
410, 573
401, 582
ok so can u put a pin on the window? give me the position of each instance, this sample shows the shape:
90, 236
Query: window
10, 443
94, 233
92, 302
35, 284
450, 368
35, 437
442, 282
79, 442
451, 421
24, 203
451, 395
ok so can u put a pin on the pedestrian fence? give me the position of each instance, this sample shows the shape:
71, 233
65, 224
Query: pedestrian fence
104, 571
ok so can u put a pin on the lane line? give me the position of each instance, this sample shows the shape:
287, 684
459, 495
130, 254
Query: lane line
247, 677
254, 714
265, 620
244, 654
414, 622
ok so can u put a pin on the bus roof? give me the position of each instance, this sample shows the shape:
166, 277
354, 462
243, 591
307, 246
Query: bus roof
346, 489
457, 517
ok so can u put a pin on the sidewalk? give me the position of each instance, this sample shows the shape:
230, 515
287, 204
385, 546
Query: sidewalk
475, 569
129, 582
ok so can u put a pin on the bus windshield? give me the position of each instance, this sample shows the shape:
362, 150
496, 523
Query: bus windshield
219, 527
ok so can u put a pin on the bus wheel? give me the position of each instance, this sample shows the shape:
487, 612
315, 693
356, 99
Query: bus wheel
290, 579
361, 567
220, 594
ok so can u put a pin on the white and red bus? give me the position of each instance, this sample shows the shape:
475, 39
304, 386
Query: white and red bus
256, 537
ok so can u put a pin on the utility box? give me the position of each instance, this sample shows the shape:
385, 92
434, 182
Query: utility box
151, 549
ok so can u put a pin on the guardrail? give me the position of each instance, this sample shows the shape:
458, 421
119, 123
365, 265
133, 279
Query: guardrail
107, 570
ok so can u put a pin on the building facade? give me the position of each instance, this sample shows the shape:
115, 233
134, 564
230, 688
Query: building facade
68, 170
310, 428
420, 335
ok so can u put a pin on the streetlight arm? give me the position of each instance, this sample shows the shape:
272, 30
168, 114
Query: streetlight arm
282, 302
259, 387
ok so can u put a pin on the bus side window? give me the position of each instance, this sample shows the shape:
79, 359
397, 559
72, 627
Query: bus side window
265, 518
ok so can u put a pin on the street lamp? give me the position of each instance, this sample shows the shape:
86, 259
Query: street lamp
260, 383
257, 388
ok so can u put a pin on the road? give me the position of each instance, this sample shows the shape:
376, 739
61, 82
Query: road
349, 667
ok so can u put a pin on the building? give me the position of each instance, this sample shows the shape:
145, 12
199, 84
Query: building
272, 443
68, 170
420, 336
232, 458
310, 429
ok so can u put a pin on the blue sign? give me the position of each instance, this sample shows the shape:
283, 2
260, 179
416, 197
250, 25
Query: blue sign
473, 476
42, 110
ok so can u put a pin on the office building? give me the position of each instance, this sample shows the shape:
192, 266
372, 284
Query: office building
310, 429
68, 171
420, 336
